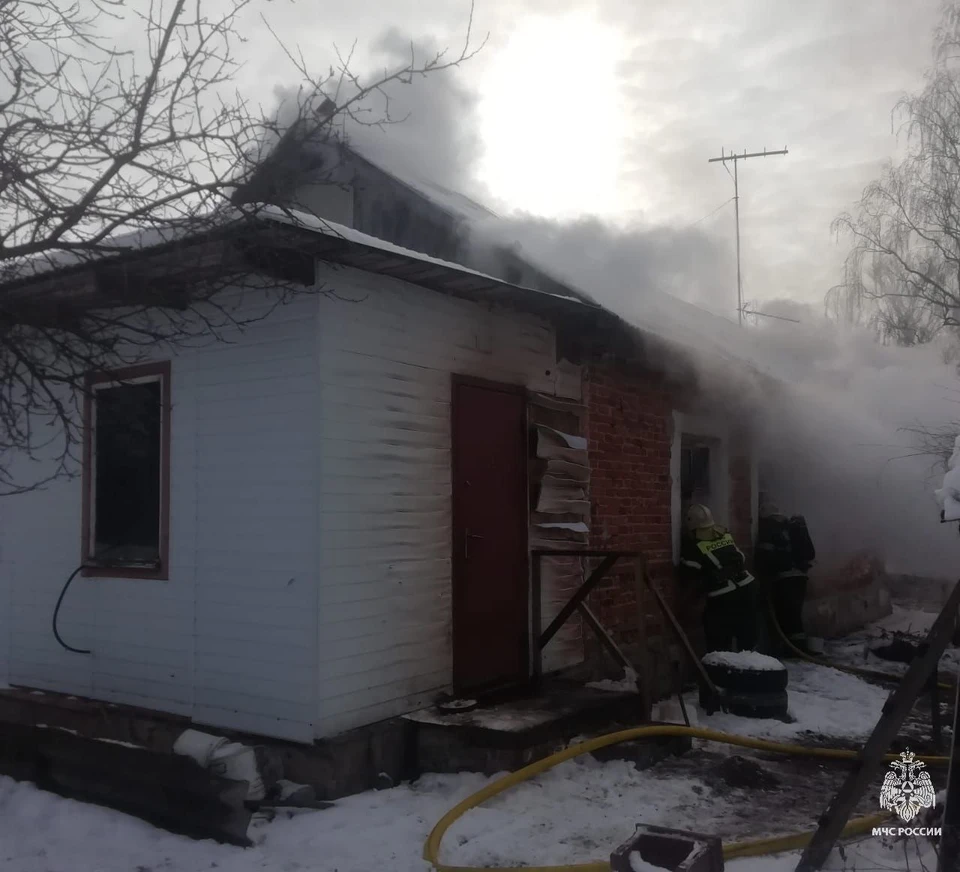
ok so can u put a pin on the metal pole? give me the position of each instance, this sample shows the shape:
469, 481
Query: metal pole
736, 158
736, 212
949, 859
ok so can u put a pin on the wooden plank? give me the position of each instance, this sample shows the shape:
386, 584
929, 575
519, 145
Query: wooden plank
573, 407
579, 596
577, 552
950, 835
536, 610
641, 581
606, 640
702, 677
895, 711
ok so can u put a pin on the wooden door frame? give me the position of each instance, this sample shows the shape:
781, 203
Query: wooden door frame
457, 380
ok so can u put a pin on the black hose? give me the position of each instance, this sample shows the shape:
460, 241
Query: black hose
56, 611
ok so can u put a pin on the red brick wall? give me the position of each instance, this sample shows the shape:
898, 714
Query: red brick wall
629, 430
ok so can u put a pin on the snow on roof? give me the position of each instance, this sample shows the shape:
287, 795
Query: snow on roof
121, 242
454, 203
315, 224
683, 324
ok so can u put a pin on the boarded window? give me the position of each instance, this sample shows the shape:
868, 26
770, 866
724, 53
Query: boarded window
126, 470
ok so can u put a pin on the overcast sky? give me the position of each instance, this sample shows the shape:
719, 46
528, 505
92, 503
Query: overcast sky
611, 109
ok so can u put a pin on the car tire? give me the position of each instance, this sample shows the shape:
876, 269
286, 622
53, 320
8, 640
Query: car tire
738, 679
751, 705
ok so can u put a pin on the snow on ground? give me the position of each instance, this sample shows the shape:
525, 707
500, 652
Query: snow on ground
576, 812
912, 855
854, 650
822, 701
627, 684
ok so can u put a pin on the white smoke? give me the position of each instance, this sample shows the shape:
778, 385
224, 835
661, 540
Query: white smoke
832, 409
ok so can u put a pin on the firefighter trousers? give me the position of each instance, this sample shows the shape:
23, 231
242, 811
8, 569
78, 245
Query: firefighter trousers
788, 595
730, 620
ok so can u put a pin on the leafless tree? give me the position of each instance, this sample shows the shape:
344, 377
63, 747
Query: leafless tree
904, 266
107, 147
878, 298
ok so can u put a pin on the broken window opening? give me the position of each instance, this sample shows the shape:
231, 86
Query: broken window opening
126, 470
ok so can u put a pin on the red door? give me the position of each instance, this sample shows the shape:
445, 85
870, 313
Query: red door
490, 577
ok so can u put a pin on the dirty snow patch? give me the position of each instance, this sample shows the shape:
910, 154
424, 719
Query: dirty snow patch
494, 718
743, 660
638, 864
627, 684
948, 496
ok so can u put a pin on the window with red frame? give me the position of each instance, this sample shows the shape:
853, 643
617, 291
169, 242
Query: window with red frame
127, 472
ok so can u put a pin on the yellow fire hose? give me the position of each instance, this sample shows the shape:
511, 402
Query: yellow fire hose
755, 847
853, 670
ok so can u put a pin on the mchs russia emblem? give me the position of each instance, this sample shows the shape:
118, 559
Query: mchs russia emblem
907, 787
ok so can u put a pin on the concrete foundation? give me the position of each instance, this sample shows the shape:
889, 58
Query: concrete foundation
490, 739
514, 733
375, 756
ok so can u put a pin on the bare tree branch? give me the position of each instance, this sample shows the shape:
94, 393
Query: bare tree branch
104, 150
903, 270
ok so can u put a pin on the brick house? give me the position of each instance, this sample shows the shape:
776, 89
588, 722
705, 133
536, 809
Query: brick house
350, 489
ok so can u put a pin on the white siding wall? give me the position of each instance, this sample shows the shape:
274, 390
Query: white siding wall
310, 586
387, 352
230, 639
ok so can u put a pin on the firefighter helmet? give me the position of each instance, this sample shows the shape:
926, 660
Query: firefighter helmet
698, 517
771, 510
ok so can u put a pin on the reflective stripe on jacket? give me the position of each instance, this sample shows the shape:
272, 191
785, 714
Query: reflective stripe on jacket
713, 558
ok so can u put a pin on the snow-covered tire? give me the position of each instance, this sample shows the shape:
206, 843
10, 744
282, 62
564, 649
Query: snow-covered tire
737, 677
753, 705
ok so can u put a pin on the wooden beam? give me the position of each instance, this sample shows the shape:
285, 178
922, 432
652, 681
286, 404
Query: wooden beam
582, 593
576, 552
894, 712
536, 611
702, 677
950, 836
641, 580
605, 639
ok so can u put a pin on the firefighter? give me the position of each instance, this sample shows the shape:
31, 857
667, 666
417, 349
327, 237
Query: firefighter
710, 556
782, 561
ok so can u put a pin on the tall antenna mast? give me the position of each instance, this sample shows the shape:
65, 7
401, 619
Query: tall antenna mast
736, 207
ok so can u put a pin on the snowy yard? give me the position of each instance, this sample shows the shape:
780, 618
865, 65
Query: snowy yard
577, 812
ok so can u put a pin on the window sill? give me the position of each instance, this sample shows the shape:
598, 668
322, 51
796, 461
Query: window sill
94, 570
